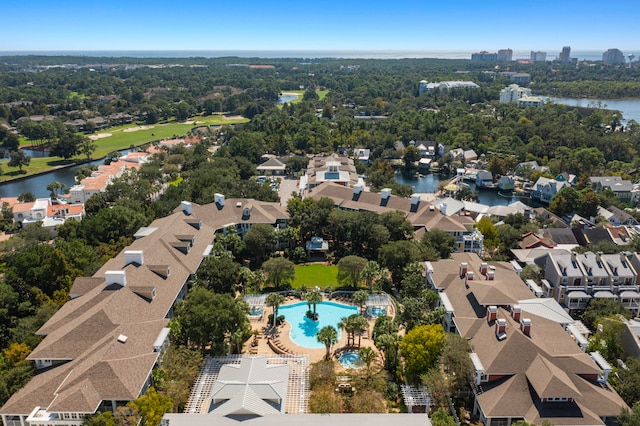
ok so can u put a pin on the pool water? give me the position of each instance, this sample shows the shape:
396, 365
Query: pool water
303, 330
255, 311
378, 312
350, 360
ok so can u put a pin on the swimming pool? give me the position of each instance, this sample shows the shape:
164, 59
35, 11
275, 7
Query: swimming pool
303, 330
350, 360
378, 312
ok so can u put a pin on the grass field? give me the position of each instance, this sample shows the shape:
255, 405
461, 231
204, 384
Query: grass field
316, 275
118, 140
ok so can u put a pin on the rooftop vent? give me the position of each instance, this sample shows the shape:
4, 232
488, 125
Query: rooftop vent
492, 313
115, 277
186, 208
501, 328
134, 256
464, 267
515, 312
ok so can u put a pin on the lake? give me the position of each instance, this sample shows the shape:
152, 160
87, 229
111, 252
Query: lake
630, 108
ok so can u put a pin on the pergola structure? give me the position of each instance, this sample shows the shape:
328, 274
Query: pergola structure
257, 303
380, 302
416, 396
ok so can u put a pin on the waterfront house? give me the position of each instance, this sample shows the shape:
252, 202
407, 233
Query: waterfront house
545, 189
484, 179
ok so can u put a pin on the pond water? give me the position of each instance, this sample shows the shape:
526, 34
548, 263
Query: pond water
429, 184
287, 98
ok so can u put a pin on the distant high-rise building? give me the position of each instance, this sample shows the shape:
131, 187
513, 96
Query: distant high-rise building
613, 56
505, 55
484, 56
538, 56
565, 55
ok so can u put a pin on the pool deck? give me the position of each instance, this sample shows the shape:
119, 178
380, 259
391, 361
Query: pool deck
277, 341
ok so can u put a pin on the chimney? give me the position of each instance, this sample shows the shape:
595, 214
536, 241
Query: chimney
464, 267
415, 199
515, 312
483, 268
492, 313
218, 199
246, 213
525, 326
115, 277
386, 193
134, 256
186, 208
470, 275
443, 208
357, 188
491, 275
501, 328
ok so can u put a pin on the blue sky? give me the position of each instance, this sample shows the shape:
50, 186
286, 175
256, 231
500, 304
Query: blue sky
319, 25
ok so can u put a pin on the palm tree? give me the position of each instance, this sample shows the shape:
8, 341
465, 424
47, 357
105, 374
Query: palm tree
275, 300
328, 336
360, 325
360, 297
370, 273
313, 298
368, 356
388, 344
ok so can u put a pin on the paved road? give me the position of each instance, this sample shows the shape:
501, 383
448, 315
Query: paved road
287, 185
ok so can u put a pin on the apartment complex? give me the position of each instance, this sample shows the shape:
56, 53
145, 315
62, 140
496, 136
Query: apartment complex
538, 56
422, 215
529, 363
613, 56
100, 348
425, 86
521, 95
574, 279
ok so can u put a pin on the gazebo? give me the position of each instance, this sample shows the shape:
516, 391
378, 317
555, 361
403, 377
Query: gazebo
378, 305
317, 247
418, 397
257, 303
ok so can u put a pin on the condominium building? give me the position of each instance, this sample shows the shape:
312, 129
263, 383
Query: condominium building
538, 56
613, 56
574, 279
505, 55
565, 55
530, 363
484, 56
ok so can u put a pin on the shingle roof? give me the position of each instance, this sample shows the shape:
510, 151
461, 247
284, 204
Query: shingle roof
545, 363
84, 332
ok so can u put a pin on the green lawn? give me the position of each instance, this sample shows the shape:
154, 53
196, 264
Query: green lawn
118, 140
316, 275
